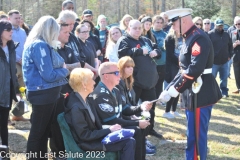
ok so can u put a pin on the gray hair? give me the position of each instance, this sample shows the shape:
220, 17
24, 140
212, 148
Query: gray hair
237, 18
206, 20
46, 28
66, 15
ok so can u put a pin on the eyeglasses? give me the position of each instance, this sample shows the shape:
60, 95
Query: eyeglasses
84, 32
8, 29
198, 24
206, 23
116, 73
238, 24
63, 24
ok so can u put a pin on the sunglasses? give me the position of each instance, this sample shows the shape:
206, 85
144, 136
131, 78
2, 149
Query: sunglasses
63, 24
238, 24
8, 29
116, 73
206, 23
198, 24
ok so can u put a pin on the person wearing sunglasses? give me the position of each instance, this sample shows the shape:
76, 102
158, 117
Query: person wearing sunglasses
198, 22
107, 101
235, 38
8, 78
194, 81
206, 25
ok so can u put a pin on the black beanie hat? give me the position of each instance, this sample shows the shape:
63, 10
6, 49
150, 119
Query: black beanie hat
4, 24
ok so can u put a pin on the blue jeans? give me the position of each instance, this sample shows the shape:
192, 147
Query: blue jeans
223, 73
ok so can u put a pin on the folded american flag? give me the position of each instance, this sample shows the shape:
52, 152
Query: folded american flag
117, 136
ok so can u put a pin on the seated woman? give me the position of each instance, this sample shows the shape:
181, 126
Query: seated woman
84, 122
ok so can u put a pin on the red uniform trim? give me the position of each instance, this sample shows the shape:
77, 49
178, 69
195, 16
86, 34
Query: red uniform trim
188, 77
198, 128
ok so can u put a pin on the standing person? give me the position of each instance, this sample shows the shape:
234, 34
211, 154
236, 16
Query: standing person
112, 45
92, 37
160, 35
82, 32
235, 38
196, 61
8, 78
23, 25
198, 22
206, 25
166, 26
173, 44
125, 22
142, 51
222, 45
19, 35
83, 120
103, 34
44, 73
146, 26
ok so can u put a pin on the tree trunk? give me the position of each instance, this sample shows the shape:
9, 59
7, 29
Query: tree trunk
234, 5
163, 6
119, 9
154, 6
183, 4
137, 9
1, 5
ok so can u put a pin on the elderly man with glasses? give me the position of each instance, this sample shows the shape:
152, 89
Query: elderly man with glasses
206, 25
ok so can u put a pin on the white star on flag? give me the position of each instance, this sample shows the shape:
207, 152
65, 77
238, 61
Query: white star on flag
132, 131
120, 135
107, 140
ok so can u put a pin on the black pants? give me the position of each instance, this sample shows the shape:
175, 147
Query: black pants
126, 147
56, 140
4, 113
161, 74
172, 103
140, 138
236, 68
41, 120
147, 95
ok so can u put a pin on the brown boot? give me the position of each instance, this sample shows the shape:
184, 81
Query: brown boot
236, 92
19, 118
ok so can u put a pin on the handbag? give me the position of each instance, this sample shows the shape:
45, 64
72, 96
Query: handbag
20, 108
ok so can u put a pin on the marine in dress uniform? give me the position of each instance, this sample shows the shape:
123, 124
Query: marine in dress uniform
195, 81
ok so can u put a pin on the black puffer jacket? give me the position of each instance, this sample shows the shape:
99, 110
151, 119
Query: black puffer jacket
145, 70
8, 79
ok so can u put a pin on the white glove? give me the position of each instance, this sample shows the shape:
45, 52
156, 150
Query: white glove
173, 92
164, 96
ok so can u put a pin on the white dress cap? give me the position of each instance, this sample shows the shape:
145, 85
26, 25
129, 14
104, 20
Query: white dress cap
175, 14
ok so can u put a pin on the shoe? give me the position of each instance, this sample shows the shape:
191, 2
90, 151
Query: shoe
150, 151
236, 92
168, 115
176, 114
224, 96
150, 145
154, 133
20, 118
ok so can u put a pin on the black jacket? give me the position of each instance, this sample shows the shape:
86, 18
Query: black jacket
222, 46
86, 133
8, 79
172, 63
145, 70
235, 35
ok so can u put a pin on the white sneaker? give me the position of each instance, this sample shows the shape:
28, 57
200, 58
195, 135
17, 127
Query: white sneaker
168, 115
176, 114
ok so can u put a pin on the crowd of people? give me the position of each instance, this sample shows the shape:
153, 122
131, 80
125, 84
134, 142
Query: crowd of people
104, 78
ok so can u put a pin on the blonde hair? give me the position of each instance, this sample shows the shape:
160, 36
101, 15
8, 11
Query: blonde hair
46, 28
79, 77
122, 22
173, 34
66, 15
122, 64
195, 19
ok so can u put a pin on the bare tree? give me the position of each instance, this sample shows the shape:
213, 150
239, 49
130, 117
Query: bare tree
234, 5
1, 5
183, 4
137, 8
119, 9
163, 8
154, 4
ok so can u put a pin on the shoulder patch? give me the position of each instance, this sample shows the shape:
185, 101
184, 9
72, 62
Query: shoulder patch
196, 49
105, 107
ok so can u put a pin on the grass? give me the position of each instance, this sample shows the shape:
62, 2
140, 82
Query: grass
223, 136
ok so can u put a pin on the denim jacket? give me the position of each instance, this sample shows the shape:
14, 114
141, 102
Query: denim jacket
42, 67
